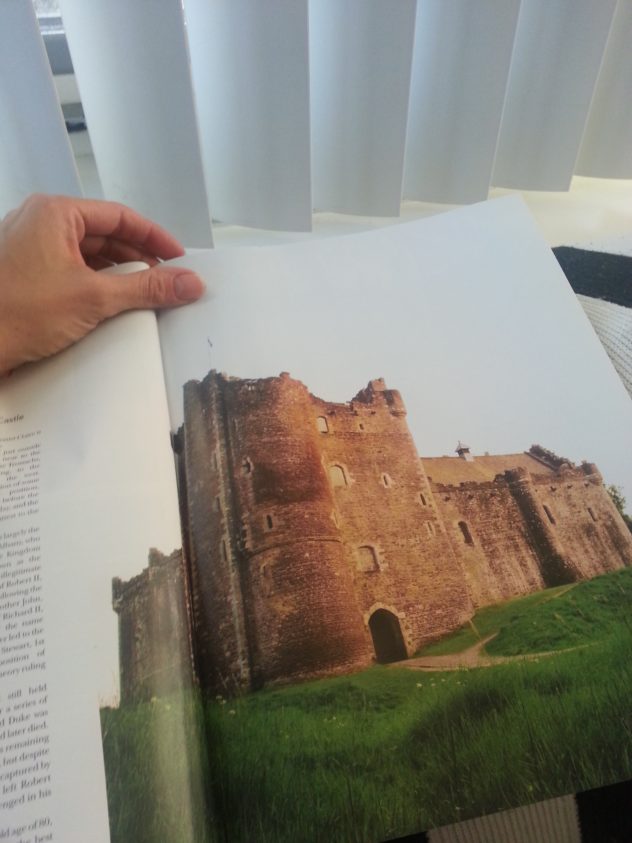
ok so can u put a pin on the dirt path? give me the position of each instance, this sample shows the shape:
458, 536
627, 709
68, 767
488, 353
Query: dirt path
562, 592
466, 658
472, 657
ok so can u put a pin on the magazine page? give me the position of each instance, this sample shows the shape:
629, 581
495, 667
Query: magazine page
405, 461
87, 489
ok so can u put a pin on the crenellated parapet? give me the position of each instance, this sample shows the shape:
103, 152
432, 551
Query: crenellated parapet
547, 458
590, 471
375, 394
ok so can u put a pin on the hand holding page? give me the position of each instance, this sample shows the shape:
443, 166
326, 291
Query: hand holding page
51, 296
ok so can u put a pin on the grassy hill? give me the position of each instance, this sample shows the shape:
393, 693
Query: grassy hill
554, 619
391, 750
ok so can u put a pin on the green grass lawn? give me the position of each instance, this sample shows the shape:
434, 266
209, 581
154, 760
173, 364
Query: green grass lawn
156, 771
390, 751
567, 616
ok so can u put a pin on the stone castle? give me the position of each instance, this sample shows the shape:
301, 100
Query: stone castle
317, 541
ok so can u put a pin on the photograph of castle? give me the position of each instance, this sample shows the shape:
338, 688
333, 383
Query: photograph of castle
390, 609
357, 636
317, 541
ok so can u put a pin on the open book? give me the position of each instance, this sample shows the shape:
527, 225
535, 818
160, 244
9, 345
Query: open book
338, 553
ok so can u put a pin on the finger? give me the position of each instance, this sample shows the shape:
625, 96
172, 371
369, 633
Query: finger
98, 263
8, 218
114, 251
110, 219
160, 286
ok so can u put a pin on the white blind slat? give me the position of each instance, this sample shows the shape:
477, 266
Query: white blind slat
606, 150
360, 63
369, 79
557, 55
460, 68
251, 77
35, 154
132, 68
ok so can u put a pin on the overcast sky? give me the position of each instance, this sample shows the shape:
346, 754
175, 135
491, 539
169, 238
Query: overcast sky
466, 313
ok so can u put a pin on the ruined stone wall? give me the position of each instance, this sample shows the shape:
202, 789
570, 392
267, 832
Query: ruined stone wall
154, 641
487, 532
524, 531
395, 542
589, 527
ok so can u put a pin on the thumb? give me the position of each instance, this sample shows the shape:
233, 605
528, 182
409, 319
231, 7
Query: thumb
157, 287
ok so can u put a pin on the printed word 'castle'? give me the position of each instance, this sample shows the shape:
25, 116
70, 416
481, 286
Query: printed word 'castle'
316, 540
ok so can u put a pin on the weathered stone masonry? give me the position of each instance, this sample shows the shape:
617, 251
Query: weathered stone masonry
154, 643
316, 539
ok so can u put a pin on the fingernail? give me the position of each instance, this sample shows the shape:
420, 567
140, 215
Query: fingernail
188, 286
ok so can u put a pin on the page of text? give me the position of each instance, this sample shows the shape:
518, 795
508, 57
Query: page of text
87, 488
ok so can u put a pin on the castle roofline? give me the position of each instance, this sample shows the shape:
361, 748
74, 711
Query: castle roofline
215, 375
451, 471
374, 392
157, 562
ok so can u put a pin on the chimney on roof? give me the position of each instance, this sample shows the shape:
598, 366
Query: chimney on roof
464, 452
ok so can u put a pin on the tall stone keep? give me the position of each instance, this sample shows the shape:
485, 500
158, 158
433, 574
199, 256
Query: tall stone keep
310, 532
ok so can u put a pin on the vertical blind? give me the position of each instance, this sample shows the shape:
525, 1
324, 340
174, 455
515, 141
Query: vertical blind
556, 57
460, 67
257, 113
131, 62
360, 61
34, 151
251, 79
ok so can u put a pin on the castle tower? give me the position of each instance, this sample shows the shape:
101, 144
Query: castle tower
407, 578
555, 565
314, 542
154, 645
571, 519
273, 597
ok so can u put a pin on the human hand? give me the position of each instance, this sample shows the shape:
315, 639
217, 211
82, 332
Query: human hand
50, 294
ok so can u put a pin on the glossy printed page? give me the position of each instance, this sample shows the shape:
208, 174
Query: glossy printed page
87, 489
404, 461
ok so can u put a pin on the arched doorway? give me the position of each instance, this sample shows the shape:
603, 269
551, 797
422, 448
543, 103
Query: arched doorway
387, 637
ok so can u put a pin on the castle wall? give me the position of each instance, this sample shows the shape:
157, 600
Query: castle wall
587, 523
385, 508
498, 559
555, 565
154, 642
530, 531
211, 533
